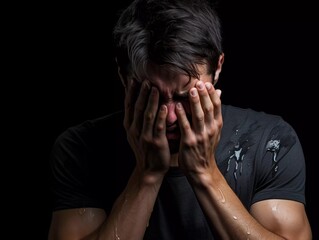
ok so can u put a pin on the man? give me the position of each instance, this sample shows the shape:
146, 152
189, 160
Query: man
176, 163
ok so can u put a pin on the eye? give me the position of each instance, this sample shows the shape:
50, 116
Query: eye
183, 98
178, 98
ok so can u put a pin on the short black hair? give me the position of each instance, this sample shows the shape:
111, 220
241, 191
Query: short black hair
178, 34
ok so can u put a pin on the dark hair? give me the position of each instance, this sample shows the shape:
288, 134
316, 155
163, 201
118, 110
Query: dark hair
178, 34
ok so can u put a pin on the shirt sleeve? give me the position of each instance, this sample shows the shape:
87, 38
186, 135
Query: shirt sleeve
68, 162
281, 165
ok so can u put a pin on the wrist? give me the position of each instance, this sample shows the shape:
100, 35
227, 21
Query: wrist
148, 178
205, 179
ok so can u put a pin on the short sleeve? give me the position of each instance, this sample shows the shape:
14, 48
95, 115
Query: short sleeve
68, 161
280, 165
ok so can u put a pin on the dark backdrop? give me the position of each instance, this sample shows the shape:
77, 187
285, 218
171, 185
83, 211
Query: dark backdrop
271, 64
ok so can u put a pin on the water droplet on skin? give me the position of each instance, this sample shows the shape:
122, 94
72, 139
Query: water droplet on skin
223, 197
82, 211
117, 237
248, 233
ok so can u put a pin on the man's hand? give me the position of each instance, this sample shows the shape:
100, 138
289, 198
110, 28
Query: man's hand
145, 125
200, 139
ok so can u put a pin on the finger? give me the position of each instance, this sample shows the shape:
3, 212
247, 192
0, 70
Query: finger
197, 111
140, 106
160, 125
183, 122
130, 98
150, 112
206, 102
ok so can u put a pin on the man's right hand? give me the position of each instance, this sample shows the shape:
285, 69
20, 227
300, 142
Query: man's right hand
145, 124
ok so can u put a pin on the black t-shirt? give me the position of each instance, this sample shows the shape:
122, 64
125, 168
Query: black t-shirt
259, 154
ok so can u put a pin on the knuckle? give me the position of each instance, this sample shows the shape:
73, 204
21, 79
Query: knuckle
209, 109
200, 117
146, 139
220, 124
149, 116
218, 102
160, 127
186, 125
128, 104
138, 108
191, 141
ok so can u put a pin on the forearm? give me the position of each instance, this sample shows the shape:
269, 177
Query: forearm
132, 210
225, 212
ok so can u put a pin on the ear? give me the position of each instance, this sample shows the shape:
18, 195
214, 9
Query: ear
219, 67
120, 74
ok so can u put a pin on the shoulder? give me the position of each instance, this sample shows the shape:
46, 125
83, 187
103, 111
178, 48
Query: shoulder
238, 114
90, 136
256, 128
91, 129
236, 118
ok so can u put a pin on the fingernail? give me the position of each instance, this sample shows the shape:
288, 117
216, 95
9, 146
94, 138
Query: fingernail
200, 85
208, 85
194, 92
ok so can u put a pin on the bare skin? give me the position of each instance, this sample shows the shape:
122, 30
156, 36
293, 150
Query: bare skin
146, 123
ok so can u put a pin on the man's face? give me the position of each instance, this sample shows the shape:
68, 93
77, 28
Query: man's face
174, 88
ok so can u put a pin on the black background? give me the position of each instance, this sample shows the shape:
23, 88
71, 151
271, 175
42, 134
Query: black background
65, 73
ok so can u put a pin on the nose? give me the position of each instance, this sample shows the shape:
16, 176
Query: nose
171, 115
